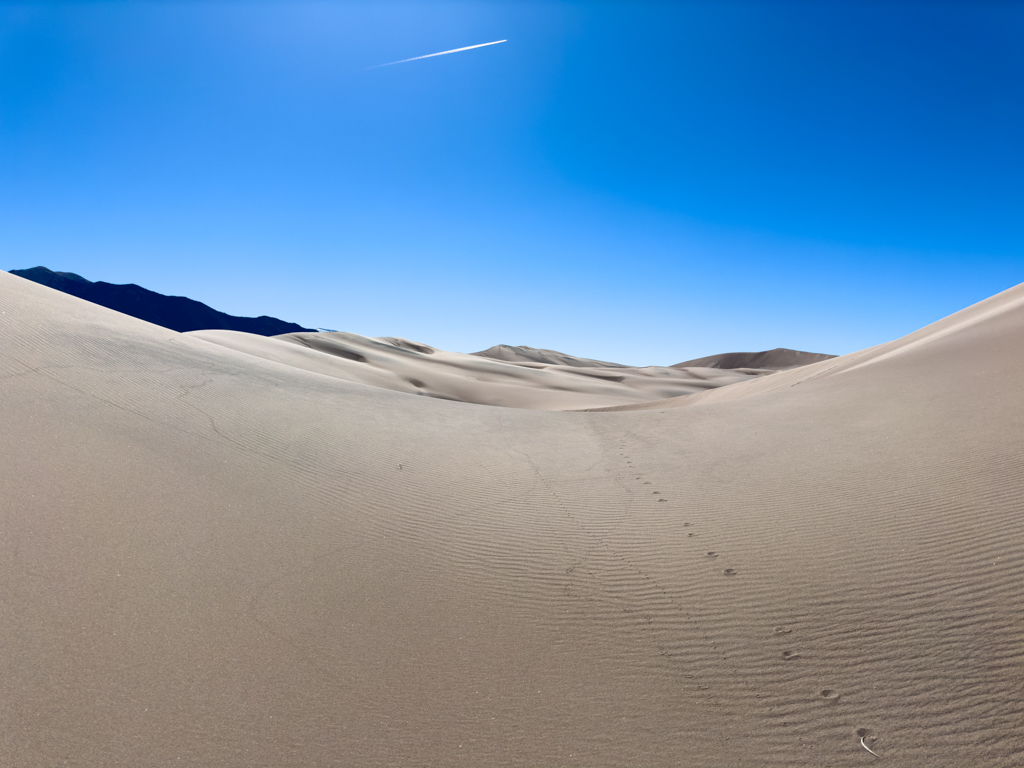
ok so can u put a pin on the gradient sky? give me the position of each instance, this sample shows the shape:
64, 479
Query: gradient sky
638, 182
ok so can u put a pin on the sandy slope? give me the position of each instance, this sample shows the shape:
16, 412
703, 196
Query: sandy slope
212, 559
522, 381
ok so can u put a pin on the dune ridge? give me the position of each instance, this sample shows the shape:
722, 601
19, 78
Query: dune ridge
211, 558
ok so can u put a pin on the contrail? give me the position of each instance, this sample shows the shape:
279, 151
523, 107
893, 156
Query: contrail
442, 53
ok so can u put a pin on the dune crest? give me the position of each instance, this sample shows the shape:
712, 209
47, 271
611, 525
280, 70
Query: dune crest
773, 359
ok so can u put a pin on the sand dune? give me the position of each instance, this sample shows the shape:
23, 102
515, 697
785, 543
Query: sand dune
773, 359
546, 356
209, 558
525, 382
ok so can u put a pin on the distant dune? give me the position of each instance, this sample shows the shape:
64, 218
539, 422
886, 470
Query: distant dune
175, 312
234, 557
543, 356
407, 366
772, 359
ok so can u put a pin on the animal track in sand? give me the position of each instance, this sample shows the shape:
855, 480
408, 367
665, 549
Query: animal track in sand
790, 655
730, 571
782, 630
828, 694
712, 555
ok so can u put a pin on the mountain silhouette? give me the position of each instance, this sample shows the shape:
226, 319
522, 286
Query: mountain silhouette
175, 312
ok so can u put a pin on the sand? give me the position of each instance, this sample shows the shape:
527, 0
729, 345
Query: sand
549, 356
521, 378
772, 359
213, 559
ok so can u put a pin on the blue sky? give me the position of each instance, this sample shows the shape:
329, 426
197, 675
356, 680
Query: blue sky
639, 182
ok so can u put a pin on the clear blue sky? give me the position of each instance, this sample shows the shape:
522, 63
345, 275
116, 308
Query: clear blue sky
640, 182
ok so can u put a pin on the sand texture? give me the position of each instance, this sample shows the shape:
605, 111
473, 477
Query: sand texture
210, 557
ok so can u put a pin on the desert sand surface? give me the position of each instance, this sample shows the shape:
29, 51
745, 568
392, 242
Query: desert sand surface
213, 558
524, 380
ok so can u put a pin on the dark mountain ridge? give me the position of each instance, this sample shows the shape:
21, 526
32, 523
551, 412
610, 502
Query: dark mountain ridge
175, 312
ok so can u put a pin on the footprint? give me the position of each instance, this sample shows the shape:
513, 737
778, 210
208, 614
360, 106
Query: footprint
662, 499
712, 555
689, 534
782, 630
790, 655
656, 493
828, 694
730, 571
